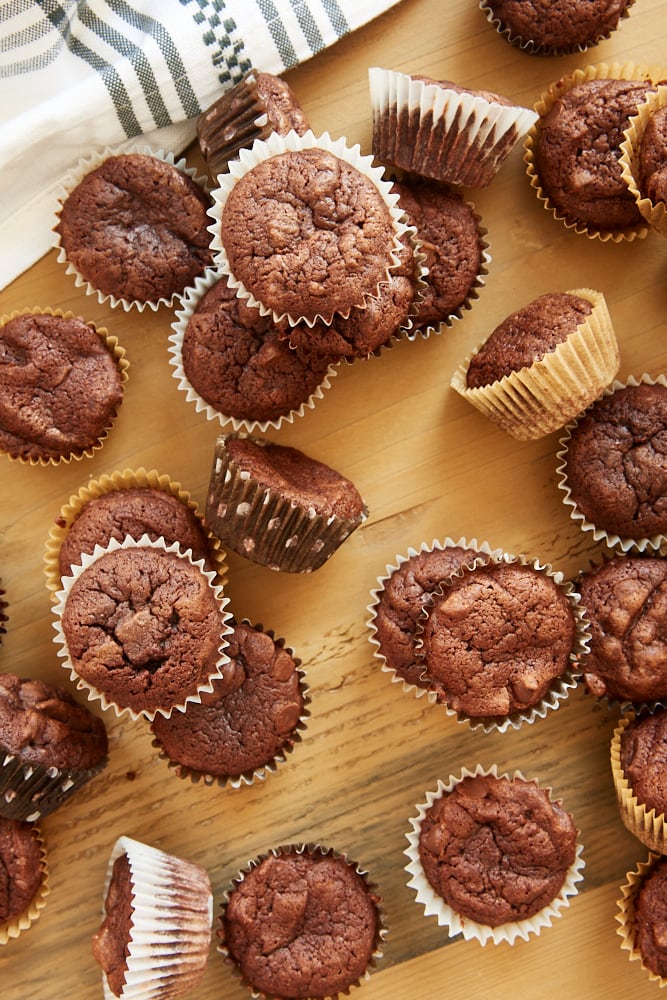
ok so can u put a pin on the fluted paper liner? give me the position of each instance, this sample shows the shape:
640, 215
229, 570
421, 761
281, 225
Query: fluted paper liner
645, 824
460, 138
532, 47
434, 905
540, 398
602, 71
611, 539
172, 916
276, 145
61, 641
31, 791
117, 353
11, 929
626, 905
654, 213
108, 483
73, 178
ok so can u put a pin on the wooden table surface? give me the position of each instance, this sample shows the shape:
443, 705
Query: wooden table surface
429, 466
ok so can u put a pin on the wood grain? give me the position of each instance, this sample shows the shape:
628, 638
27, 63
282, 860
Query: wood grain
429, 466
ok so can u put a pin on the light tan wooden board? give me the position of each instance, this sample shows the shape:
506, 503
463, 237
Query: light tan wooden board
429, 466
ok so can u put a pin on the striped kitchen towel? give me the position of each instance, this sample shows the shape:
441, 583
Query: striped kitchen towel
80, 74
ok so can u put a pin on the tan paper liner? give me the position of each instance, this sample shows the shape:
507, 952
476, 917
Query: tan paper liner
258, 523
434, 905
532, 47
276, 145
645, 824
109, 483
189, 302
559, 687
655, 214
614, 541
602, 71
11, 929
540, 398
75, 176
63, 652
172, 918
31, 791
309, 849
482, 548
261, 772
625, 918
118, 354
460, 138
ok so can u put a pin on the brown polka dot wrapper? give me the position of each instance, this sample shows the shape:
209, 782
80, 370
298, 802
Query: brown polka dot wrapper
628, 919
647, 824
155, 653
447, 916
14, 925
295, 892
654, 211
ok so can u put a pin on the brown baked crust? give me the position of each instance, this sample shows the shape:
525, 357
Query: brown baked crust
134, 512
625, 602
239, 362
497, 639
136, 227
301, 925
615, 462
111, 943
651, 919
248, 719
496, 850
643, 758
308, 234
577, 151
282, 107
21, 868
60, 386
561, 25
526, 335
143, 627
652, 158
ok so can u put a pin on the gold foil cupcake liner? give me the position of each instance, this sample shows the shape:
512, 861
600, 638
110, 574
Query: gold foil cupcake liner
541, 398
437, 132
117, 353
63, 651
614, 541
532, 47
75, 176
654, 213
559, 687
645, 824
309, 850
276, 145
126, 479
189, 302
601, 71
261, 771
258, 523
625, 918
11, 929
447, 917
172, 918
29, 792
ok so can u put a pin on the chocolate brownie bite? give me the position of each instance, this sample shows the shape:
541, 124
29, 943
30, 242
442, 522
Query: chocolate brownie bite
301, 921
61, 385
133, 227
613, 471
23, 877
250, 721
644, 916
643, 159
493, 856
638, 755
555, 27
652, 173
625, 602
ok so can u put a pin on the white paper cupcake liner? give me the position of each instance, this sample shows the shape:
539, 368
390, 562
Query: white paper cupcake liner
189, 302
275, 145
655, 214
75, 176
435, 906
614, 541
63, 651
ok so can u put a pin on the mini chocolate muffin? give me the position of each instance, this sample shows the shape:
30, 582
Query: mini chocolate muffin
250, 720
652, 157
136, 228
142, 627
61, 387
643, 759
238, 362
650, 919
23, 876
258, 105
50, 746
577, 152
451, 239
625, 602
613, 471
496, 849
556, 27
301, 922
